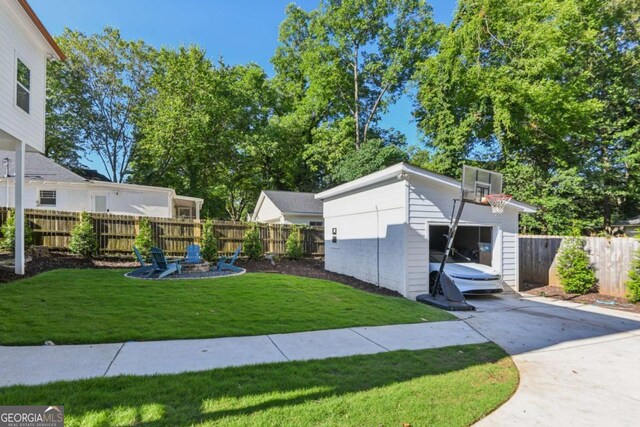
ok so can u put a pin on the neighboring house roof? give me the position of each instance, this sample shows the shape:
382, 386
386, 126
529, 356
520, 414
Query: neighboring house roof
635, 221
41, 168
41, 29
401, 171
291, 202
294, 202
91, 174
38, 168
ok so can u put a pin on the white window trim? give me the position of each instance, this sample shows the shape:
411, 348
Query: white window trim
17, 58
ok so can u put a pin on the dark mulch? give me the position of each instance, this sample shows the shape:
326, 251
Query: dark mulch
61, 260
601, 300
313, 268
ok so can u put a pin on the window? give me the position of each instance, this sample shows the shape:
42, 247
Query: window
315, 223
23, 86
184, 212
47, 198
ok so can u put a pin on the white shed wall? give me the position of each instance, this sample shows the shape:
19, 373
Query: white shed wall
17, 40
370, 234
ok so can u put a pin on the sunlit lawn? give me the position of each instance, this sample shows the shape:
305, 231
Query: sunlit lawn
100, 306
452, 386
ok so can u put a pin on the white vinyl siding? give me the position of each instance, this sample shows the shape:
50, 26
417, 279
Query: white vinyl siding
383, 238
431, 203
19, 40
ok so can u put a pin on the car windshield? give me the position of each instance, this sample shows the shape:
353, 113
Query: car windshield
454, 257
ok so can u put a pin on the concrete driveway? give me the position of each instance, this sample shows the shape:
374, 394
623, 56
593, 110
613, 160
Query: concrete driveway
579, 365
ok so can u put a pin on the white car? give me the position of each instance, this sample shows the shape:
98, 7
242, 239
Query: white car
469, 277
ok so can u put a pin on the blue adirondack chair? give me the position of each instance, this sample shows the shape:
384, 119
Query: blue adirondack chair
193, 254
161, 265
144, 267
226, 263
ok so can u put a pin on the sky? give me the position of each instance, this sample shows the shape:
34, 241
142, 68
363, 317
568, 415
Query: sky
240, 31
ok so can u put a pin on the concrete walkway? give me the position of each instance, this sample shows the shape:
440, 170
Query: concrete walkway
579, 364
42, 364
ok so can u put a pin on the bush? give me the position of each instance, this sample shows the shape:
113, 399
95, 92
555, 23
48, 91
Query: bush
209, 242
8, 242
144, 238
633, 285
574, 267
251, 245
293, 247
83, 239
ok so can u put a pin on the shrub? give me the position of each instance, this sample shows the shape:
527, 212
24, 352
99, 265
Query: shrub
144, 238
293, 247
633, 285
209, 242
251, 245
574, 267
83, 239
8, 242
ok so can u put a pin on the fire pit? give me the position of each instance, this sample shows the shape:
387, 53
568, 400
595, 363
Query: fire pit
195, 267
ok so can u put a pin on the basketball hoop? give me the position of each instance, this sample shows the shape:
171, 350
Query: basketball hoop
497, 202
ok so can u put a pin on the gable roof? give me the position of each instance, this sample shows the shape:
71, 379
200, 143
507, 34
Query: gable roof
41, 29
402, 171
38, 168
293, 202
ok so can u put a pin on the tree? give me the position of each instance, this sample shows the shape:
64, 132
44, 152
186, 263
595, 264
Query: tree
544, 90
83, 239
252, 245
8, 229
574, 267
144, 239
338, 68
209, 242
370, 158
293, 246
96, 95
633, 285
204, 132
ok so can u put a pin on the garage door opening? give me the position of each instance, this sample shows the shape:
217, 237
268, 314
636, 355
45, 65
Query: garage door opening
471, 244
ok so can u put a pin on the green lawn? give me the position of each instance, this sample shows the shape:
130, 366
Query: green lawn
452, 386
100, 306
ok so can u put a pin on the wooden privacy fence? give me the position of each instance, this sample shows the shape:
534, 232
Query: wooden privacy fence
116, 233
611, 258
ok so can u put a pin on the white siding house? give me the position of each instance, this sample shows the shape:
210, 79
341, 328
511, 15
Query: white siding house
287, 207
25, 47
49, 185
377, 228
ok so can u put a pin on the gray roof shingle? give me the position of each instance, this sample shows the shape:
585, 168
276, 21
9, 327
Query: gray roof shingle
39, 167
294, 202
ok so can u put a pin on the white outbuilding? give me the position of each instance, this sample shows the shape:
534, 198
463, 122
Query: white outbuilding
381, 228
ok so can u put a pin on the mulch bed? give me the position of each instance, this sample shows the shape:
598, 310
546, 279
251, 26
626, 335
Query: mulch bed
313, 268
61, 260
600, 300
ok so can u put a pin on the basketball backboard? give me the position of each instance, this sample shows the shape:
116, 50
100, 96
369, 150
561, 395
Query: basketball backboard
478, 183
